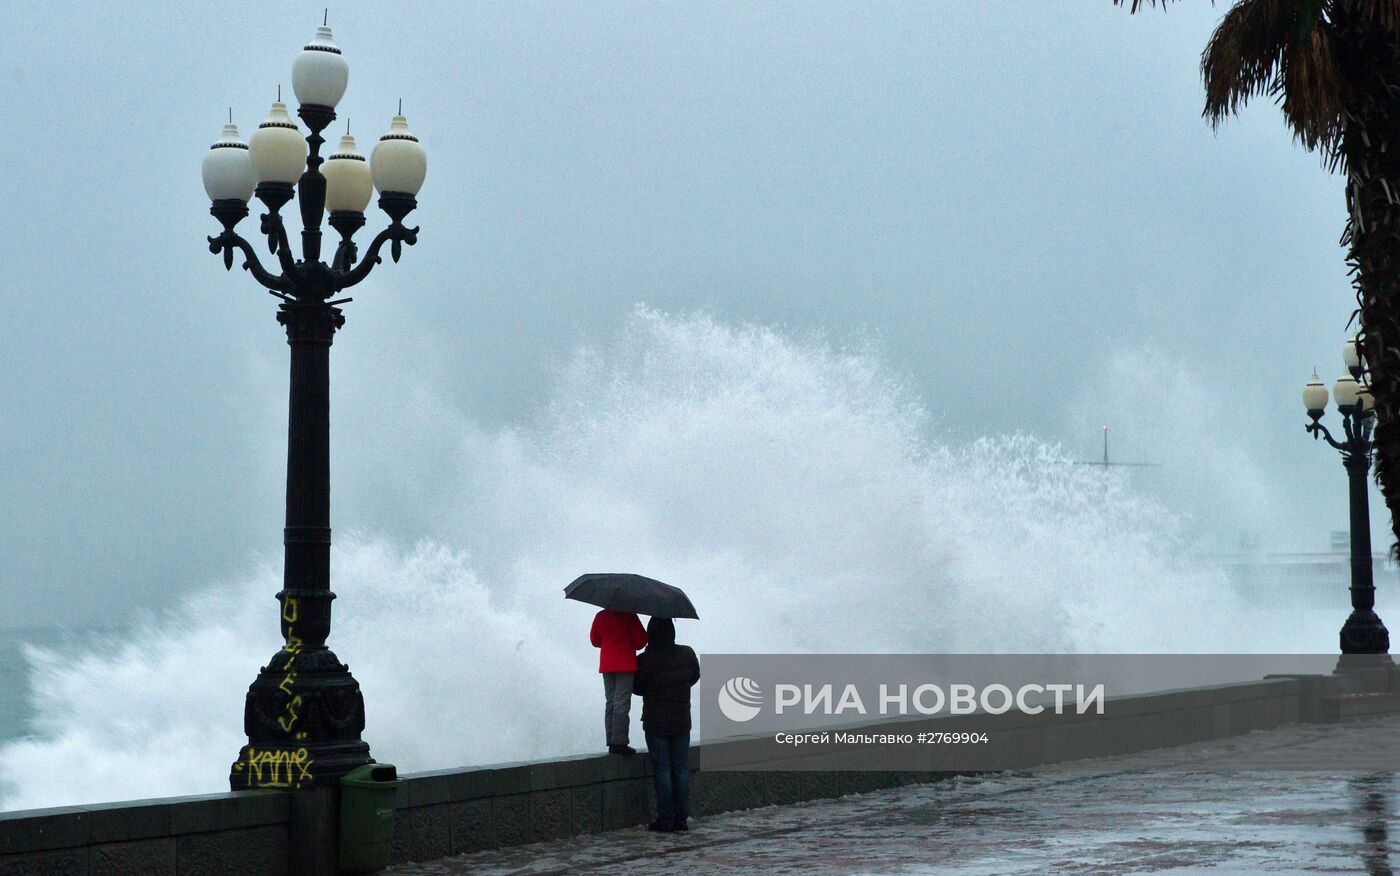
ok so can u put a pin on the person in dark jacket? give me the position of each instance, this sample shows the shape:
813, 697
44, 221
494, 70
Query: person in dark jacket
665, 674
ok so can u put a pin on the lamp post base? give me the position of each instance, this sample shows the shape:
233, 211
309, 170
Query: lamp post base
303, 715
1364, 634
1366, 673
1365, 651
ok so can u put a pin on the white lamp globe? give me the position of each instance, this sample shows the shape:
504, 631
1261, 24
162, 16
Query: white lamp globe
1351, 355
348, 183
1345, 391
1364, 397
228, 171
1315, 395
277, 148
319, 73
398, 162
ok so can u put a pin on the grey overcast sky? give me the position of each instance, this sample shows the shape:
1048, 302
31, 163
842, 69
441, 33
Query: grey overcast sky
1020, 201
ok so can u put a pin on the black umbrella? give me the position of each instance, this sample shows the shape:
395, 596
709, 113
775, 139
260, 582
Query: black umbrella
622, 592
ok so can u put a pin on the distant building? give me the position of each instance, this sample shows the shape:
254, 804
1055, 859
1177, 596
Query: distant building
1326, 573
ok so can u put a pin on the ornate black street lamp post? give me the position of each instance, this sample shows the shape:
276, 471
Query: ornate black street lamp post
1363, 633
304, 712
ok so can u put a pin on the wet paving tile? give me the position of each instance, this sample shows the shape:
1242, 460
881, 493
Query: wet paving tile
1222, 807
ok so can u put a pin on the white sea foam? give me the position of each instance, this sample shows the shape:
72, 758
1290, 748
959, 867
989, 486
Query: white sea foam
794, 489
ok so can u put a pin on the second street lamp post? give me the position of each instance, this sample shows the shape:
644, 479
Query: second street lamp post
1363, 633
304, 713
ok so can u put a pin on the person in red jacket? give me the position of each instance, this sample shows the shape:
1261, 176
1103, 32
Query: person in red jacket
619, 636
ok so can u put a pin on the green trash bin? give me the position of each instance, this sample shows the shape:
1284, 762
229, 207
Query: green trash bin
367, 797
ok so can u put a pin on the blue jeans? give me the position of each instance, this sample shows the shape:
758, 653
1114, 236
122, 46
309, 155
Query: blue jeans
670, 771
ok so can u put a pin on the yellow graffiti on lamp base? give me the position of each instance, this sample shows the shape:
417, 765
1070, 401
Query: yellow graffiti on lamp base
280, 768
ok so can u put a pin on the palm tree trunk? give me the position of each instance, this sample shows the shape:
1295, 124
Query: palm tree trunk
1371, 152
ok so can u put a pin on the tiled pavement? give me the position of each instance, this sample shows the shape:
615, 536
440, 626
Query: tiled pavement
1184, 810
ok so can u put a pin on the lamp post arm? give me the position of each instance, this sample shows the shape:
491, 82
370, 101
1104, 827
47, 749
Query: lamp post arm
276, 231
227, 242
1358, 425
1319, 430
396, 233
345, 256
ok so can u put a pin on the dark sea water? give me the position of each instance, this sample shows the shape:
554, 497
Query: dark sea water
15, 704
14, 692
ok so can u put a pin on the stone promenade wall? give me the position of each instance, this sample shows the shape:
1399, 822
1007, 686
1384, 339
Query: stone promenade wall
449, 812
217, 833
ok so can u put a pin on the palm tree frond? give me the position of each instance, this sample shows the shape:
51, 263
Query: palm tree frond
1382, 13
1255, 45
1311, 89
1135, 5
